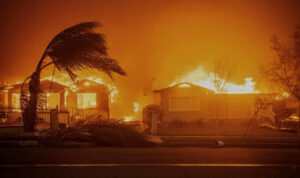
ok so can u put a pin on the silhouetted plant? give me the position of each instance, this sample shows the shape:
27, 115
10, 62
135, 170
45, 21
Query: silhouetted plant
99, 132
284, 69
75, 48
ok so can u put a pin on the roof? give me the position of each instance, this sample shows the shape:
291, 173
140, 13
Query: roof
184, 85
89, 85
83, 85
45, 84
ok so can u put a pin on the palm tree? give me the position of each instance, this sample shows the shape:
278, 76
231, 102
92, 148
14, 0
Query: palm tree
76, 48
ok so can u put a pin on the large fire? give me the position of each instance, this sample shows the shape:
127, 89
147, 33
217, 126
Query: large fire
201, 78
64, 79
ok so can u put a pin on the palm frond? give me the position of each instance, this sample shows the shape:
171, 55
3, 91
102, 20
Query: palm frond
78, 48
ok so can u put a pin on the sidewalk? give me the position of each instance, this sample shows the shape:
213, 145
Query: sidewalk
15, 137
232, 141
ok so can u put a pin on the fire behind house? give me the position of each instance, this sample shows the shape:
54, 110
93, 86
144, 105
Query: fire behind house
189, 102
87, 98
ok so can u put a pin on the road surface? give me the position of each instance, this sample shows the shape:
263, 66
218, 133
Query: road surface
149, 162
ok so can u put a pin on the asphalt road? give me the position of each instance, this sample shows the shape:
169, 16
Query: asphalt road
149, 162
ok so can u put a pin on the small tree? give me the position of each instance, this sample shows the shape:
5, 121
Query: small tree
223, 71
75, 48
284, 69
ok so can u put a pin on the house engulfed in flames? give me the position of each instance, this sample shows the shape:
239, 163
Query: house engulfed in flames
81, 100
189, 102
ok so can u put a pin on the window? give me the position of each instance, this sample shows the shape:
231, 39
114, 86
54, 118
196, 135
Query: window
53, 99
16, 100
86, 100
184, 103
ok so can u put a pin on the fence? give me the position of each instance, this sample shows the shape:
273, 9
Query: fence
11, 116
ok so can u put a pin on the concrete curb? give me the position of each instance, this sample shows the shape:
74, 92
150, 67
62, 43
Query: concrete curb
36, 143
214, 141
178, 141
232, 144
19, 143
212, 144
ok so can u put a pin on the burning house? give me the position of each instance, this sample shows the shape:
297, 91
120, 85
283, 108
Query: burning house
78, 101
189, 102
91, 98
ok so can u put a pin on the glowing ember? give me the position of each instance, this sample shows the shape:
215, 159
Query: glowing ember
66, 97
136, 108
283, 95
201, 78
128, 118
86, 83
73, 88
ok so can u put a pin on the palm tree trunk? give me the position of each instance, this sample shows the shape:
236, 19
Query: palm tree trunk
30, 112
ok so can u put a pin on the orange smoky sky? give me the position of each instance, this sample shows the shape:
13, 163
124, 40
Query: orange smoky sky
154, 41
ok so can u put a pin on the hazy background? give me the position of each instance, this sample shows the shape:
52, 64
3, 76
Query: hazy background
154, 41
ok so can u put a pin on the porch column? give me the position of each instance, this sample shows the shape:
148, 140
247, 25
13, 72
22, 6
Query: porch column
62, 100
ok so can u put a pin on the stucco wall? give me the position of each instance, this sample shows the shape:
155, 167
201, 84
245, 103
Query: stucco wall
207, 105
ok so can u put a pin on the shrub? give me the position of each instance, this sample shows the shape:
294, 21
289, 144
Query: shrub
99, 132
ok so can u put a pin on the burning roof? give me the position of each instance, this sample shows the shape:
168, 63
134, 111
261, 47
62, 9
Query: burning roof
47, 84
185, 85
199, 77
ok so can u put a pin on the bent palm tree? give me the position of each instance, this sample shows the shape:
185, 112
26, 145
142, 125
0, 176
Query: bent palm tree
75, 48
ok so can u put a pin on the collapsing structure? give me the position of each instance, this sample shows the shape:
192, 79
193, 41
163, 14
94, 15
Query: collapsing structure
84, 99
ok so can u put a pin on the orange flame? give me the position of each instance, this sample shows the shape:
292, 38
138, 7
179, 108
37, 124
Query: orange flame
136, 107
136, 110
201, 78
64, 79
